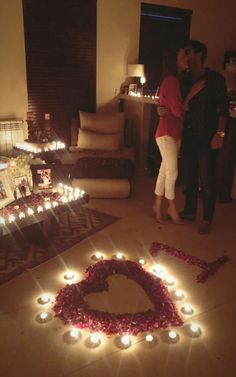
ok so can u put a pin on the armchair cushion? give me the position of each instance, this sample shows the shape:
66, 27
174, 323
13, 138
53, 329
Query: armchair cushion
110, 123
75, 153
100, 167
98, 141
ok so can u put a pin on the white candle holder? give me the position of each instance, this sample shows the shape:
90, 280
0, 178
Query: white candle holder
142, 261
173, 336
195, 330
178, 294
187, 309
44, 317
149, 338
69, 275
125, 341
95, 339
44, 299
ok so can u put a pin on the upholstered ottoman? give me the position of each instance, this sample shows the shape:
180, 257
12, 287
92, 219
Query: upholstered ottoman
104, 188
104, 174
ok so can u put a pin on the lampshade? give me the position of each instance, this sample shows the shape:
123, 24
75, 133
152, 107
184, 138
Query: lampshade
135, 70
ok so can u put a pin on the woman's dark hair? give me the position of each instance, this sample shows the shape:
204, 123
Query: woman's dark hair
169, 62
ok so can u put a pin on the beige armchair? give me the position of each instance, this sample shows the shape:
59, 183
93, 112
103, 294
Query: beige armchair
101, 155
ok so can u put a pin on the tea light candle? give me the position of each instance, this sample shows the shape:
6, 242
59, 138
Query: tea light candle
179, 294
95, 338
172, 335
125, 340
98, 255
142, 262
74, 333
69, 275
149, 338
30, 211
169, 280
194, 328
119, 256
45, 298
48, 205
39, 209
47, 116
157, 269
187, 309
43, 316
11, 218
21, 215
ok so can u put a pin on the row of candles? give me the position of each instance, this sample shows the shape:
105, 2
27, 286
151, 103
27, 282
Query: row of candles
29, 147
68, 194
138, 94
125, 339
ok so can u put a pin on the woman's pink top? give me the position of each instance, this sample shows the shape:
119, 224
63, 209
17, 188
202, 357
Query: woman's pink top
169, 95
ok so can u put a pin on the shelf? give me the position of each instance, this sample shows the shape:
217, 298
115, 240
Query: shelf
150, 100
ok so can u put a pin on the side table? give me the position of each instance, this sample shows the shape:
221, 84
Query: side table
30, 231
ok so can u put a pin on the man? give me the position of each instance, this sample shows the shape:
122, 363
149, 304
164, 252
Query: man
204, 126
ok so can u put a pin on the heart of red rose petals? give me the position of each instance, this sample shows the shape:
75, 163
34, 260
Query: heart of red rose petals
71, 305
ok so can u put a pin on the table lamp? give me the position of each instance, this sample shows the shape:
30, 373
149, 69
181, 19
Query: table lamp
137, 70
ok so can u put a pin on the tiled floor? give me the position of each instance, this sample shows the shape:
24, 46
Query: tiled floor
28, 348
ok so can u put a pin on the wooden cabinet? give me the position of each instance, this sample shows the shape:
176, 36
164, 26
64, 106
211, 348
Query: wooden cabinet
141, 113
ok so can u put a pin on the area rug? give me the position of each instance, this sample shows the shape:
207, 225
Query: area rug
74, 226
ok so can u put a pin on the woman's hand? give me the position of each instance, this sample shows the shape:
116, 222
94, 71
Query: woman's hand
162, 111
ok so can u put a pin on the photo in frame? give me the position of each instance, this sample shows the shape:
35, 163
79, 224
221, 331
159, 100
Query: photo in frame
47, 176
6, 194
132, 89
21, 187
42, 177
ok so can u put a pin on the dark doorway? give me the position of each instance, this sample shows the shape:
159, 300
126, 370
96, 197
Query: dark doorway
60, 44
160, 27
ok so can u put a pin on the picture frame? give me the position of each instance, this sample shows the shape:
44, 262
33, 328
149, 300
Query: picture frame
47, 176
132, 89
21, 187
6, 194
42, 176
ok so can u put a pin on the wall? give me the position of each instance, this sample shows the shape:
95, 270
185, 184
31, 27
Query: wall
117, 45
13, 92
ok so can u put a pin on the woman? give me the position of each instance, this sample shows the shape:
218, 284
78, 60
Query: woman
169, 130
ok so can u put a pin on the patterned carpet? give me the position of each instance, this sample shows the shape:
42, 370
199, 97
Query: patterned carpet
18, 254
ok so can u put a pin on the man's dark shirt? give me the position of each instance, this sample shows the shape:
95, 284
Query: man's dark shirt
205, 108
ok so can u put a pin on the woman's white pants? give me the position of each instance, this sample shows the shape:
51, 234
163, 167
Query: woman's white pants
169, 148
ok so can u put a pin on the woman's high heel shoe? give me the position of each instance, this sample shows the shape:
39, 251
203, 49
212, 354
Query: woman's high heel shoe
174, 217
